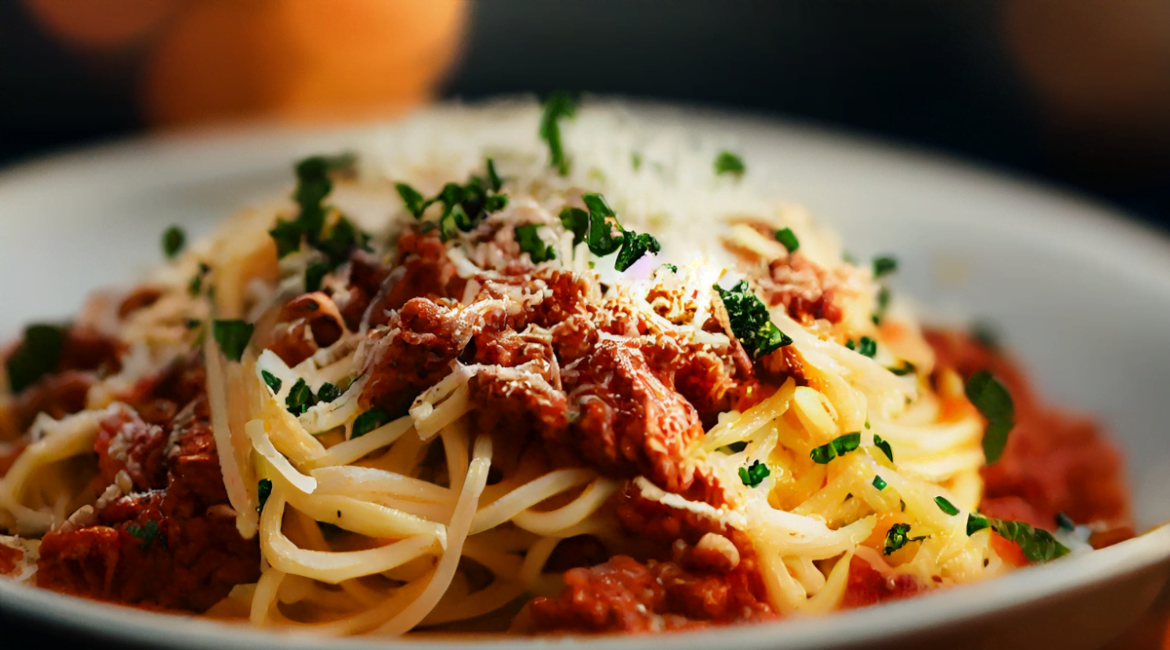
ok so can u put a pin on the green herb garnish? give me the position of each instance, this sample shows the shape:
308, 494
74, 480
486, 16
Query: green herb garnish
558, 106
754, 475
38, 355
327, 393
728, 163
596, 228
314, 274
670, 267
995, 404
897, 537
883, 303
1064, 522
263, 491
750, 321
414, 201
884, 265
866, 347
946, 506
879, 483
839, 447
313, 185
906, 368
464, 206
737, 447
368, 421
884, 446
300, 398
173, 240
788, 238
148, 534
272, 380
232, 337
1039, 546
532, 244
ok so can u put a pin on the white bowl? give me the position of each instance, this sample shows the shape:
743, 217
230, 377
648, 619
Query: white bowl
1081, 293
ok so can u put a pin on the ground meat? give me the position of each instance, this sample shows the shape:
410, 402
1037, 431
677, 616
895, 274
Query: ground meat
191, 564
1054, 461
804, 288
363, 282
126, 443
868, 587
414, 353
165, 547
56, 395
86, 349
624, 595
306, 324
624, 420
513, 406
158, 398
422, 270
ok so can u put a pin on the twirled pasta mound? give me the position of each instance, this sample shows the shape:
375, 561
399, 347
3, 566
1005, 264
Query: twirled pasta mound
519, 368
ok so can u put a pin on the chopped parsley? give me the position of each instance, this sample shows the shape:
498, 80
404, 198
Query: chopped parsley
464, 206
839, 447
173, 240
38, 354
737, 447
1064, 522
195, 287
327, 393
147, 533
636, 160
670, 267
946, 506
558, 106
728, 163
906, 368
314, 274
754, 475
879, 483
897, 537
314, 183
272, 380
788, 238
883, 303
263, 491
884, 265
300, 398
995, 404
596, 228
232, 337
866, 347
1039, 546
750, 321
368, 421
884, 446
532, 244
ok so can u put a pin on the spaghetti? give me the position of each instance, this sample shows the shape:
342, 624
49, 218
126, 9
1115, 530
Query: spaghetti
439, 391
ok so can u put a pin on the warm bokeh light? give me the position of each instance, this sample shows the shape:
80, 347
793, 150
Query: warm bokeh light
218, 60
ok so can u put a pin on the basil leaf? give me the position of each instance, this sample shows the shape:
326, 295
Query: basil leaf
232, 337
788, 238
173, 240
838, 447
368, 421
728, 163
946, 506
750, 321
272, 380
1039, 546
532, 244
557, 107
38, 355
995, 404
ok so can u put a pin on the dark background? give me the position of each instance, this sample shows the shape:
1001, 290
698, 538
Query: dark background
1069, 92
1072, 93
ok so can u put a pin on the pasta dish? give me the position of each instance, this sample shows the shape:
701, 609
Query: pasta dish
532, 370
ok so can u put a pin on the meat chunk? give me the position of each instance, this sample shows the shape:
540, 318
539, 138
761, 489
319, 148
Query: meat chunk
624, 420
306, 324
804, 288
125, 443
624, 595
363, 282
422, 270
9, 557
414, 352
867, 586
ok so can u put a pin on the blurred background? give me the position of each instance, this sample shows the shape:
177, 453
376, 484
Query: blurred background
1073, 93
